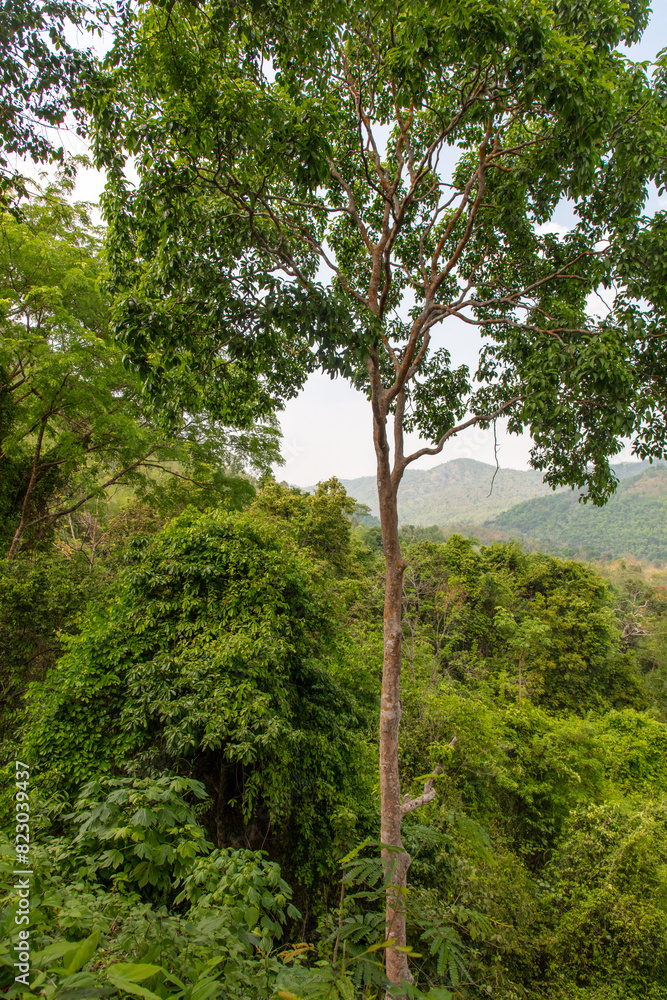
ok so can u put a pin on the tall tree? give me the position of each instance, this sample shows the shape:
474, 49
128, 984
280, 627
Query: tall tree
73, 420
327, 188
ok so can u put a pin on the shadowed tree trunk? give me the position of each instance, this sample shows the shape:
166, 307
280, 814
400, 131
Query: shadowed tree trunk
394, 856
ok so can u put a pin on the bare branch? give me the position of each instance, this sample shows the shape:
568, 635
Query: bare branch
479, 418
409, 805
351, 206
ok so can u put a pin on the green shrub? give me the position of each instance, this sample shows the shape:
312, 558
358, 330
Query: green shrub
212, 657
610, 898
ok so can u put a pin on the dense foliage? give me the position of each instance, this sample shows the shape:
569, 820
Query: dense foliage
73, 424
193, 662
210, 656
219, 704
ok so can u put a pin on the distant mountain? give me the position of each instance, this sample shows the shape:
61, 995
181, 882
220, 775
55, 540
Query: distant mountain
633, 522
455, 492
520, 505
461, 492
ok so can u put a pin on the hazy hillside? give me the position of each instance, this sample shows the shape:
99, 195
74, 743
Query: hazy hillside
457, 492
633, 522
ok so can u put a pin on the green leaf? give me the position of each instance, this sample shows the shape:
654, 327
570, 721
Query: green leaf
206, 988
51, 952
129, 987
131, 972
82, 954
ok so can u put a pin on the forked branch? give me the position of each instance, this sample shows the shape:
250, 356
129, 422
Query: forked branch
479, 418
409, 805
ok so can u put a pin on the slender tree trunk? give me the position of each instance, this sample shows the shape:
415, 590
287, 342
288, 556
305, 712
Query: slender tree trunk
396, 860
395, 857
520, 674
18, 534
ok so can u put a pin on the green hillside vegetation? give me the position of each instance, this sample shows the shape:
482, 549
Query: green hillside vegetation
454, 492
204, 752
464, 491
633, 522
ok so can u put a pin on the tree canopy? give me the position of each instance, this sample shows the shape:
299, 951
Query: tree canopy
326, 188
359, 181
41, 82
74, 424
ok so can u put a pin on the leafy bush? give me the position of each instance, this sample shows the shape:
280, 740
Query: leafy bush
40, 599
143, 830
107, 914
212, 655
610, 898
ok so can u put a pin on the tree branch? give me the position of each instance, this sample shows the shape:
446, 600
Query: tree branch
409, 805
461, 427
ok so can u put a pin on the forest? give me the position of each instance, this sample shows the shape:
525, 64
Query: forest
630, 523
254, 748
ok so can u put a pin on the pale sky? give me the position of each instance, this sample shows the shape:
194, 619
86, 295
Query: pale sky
327, 429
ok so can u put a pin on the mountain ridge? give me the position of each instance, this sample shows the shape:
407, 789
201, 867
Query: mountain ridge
632, 523
464, 491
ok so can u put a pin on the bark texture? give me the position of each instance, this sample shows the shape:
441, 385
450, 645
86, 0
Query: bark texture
396, 859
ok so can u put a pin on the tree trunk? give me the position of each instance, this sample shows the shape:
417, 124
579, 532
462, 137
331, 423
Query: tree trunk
34, 473
395, 857
396, 860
